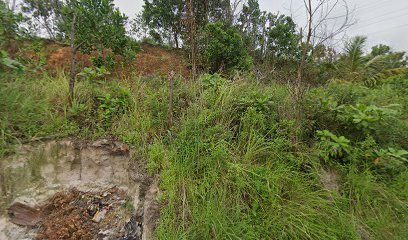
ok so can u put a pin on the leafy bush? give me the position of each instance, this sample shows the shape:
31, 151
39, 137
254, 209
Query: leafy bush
257, 100
212, 80
224, 49
110, 106
391, 161
333, 147
94, 73
367, 117
9, 24
5, 61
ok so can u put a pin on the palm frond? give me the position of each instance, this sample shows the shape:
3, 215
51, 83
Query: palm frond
378, 78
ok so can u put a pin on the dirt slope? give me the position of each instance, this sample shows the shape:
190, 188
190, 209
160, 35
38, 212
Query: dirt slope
158, 60
151, 60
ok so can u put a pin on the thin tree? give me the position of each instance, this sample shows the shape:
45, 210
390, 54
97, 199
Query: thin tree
192, 35
73, 59
319, 16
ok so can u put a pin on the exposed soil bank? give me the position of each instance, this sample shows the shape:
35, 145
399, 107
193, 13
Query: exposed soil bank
92, 180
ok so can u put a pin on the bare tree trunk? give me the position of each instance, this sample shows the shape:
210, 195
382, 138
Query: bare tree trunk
171, 95
73, 61
317, 16
176, 40
193, 43
297, 86
13, 6
229, 15
48, 29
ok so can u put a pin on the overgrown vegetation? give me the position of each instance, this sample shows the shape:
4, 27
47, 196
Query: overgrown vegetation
228, 165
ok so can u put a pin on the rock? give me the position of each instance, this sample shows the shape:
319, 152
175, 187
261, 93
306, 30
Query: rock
24, 215
329, 179
99, 216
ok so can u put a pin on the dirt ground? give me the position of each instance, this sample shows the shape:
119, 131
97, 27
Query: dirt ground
76, 215
158, 60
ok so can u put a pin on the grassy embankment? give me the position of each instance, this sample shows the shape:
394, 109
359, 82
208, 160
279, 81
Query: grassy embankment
227, 166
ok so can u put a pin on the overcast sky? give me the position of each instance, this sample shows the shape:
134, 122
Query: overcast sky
382, 21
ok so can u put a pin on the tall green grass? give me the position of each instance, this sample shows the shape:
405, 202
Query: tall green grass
32, 109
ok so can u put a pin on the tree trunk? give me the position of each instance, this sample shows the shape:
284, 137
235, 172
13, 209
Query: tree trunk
296, 97
72, 78
73, 61
171, 95
48, 29
228, 12
176, 40
13, 6
192, 28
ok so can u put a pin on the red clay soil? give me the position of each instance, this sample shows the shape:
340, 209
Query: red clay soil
74, 215
151, 60
158, 60
66, 220
60, 58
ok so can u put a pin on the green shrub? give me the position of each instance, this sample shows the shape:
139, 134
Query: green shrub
212, 80
7, 62
332, 146
224, 49
94, 73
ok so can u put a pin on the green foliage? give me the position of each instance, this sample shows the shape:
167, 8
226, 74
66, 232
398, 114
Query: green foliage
76, 110
394, 153
370, 69
393, 161
212, 80
380, 49
283, 40
216, 185
250, 19
268, 36
27, 111
256, 100
227, 167
9, 24
110, 106
164, 19
100, 29
224, 49
353, 56
38, 60
5, 61
366, 117
333, 147
95, 73
44, 13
